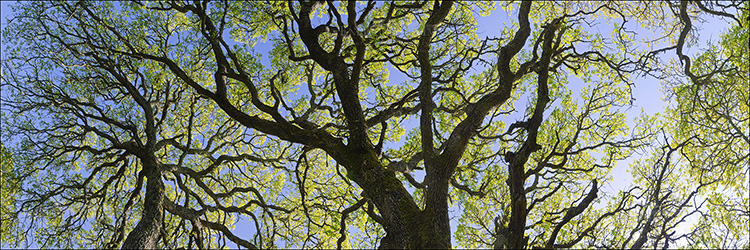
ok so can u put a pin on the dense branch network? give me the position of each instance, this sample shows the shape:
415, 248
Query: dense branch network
167, 125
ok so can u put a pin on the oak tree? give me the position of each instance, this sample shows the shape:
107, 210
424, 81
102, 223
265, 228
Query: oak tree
361, 124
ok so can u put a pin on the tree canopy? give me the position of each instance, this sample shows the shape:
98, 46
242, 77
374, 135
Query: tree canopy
363, 124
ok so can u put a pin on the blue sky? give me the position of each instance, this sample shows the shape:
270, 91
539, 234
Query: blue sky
647, 93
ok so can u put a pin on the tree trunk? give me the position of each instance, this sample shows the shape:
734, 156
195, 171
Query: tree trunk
146, 232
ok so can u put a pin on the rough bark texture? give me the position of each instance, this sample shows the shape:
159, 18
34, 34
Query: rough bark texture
439, 173
145, 235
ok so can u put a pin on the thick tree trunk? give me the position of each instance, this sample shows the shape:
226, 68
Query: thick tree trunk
146, 232
418, 232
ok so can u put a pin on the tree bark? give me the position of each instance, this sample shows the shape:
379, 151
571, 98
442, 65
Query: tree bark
145, 235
